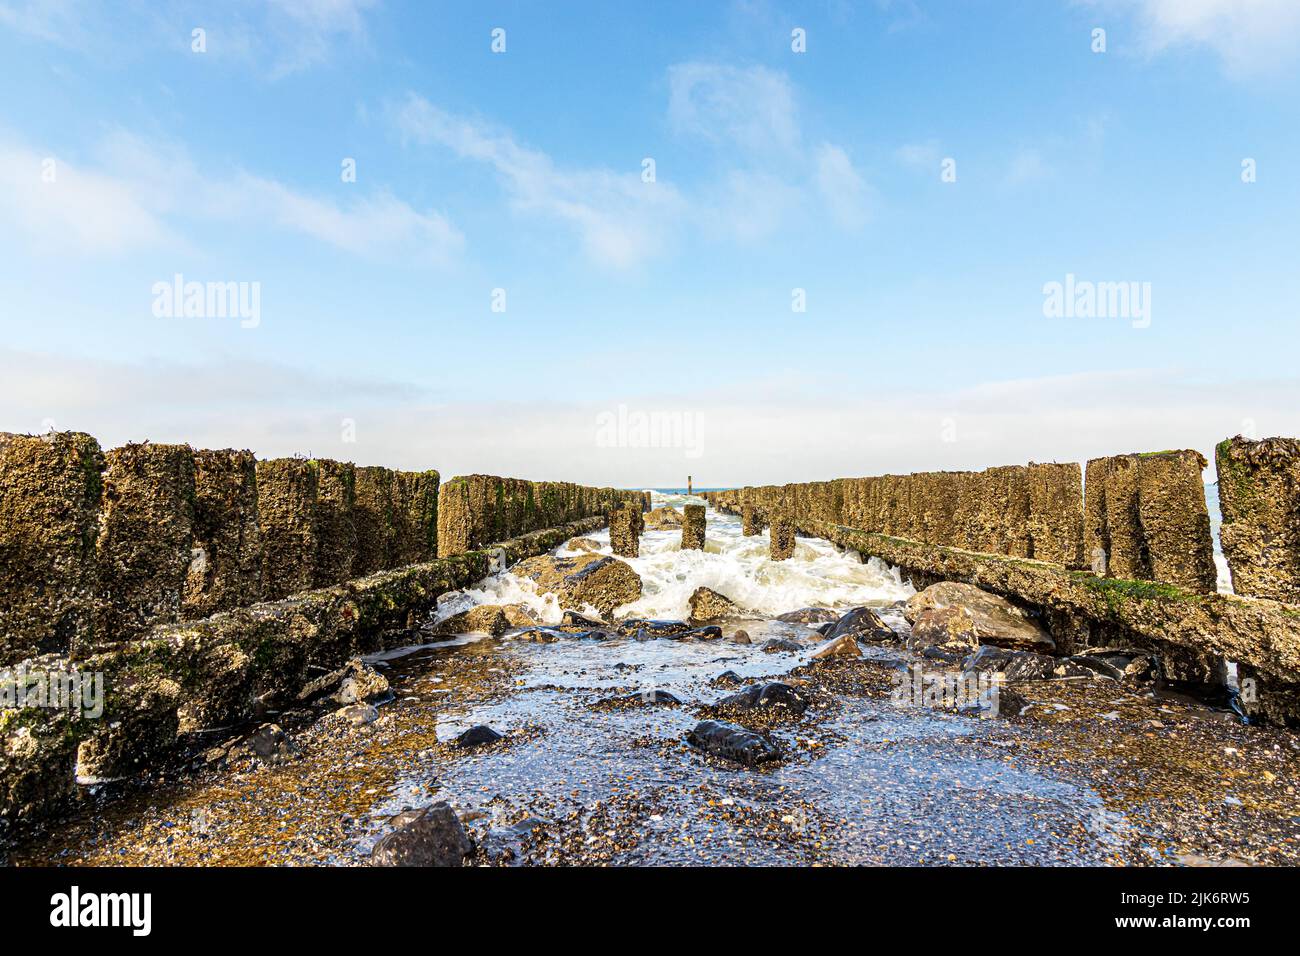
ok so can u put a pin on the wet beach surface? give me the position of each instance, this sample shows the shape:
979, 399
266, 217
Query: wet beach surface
591, 772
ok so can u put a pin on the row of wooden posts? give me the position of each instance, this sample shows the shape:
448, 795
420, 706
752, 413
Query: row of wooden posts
627, 523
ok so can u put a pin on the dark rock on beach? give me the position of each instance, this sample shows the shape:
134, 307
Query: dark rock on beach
1118, 664
269, 744
656, 697
710, 632
435, 837
572, 620
812, 616
770, 695
781, 645
635, 627
477, 736
1023, 665
863, 624
733, 743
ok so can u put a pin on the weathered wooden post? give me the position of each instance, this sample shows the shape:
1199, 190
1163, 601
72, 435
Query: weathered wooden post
781, 545
751, 520
693, 525
1259, 495
689, 485
625, 526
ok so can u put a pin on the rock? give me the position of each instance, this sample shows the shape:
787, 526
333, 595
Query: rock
740, 637
573, 621
710, 632
477, 736
997, 620
811, 616
727, 679
658, 697
581, 544
361, 684
635, 627
824, 629
358, 714
843, 646
1023, 665
663, 519
863, 624
709, 605
597, 580
732, 743
1118, 664
520, 615
435, 837
950, 629
781, 645
269, 743
484, 619
770, 695
540, 635
1010, 703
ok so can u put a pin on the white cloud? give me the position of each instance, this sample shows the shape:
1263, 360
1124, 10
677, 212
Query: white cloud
768, 180
1027, 166
620, 219
752, 108
844, 191
141, 194
919, 155
81, 210
307, 30
54, 21
273, 38
1249, 36
750, 432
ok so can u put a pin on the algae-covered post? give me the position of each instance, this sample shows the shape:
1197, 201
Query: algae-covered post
751, 520
146, 537
286, 503
227, 568
49, 516
376, 537
1259, 495
1145, 519
625, 525
1112, 532
781, 543
415, 515
1175, 520
336, 528
693, 528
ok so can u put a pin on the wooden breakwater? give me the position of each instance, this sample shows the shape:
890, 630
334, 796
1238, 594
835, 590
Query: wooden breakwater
1117, 552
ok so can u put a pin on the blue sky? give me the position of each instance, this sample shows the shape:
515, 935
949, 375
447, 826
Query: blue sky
924, 342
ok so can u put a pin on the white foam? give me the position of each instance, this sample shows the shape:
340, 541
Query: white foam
818, 575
